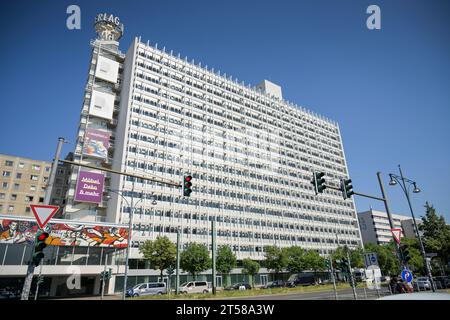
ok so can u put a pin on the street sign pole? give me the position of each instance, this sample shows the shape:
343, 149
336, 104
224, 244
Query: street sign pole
177, 277
351, 275
333, 278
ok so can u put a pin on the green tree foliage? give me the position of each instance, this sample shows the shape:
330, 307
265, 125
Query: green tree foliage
295, 259
416, 263
387, 257
356, 256
250, 267
436, 234
161, 253
275, 259
225, 260
195, 259
314, 261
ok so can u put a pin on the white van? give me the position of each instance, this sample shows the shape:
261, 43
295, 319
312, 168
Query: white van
195, 287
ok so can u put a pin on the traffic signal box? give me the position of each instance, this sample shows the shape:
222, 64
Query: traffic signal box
187, 186
347, 188
318, 182
39, 246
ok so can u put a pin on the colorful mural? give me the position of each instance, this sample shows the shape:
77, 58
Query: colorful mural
23, 232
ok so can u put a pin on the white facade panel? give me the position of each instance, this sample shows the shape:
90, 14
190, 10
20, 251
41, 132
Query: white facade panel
107, 69
102, 105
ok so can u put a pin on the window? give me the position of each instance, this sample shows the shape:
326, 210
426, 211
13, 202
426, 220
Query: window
21, 165
9, 163
5, 185
11, 208
28, 198
2, 196
41, 199
14, 197
47, 169
36, 167
27, 209
6, 173
33, 188
16, 186
18, 175
34, 177
1, 207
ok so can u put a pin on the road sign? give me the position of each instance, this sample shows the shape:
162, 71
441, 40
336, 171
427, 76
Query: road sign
371, 259
397, 233
407, 275
373, 277
43, 213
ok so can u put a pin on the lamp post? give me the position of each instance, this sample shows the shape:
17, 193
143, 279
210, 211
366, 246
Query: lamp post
130, 229
402, 181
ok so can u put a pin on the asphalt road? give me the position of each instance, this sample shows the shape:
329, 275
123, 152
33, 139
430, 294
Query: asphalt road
343, 294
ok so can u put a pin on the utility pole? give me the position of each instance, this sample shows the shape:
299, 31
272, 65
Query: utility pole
130, 231
48, 192
213, 236
351, 274
333, 278
38, 283
177, 276
391, 223
103, 277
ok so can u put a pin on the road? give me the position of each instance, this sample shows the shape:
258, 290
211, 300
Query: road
343, 294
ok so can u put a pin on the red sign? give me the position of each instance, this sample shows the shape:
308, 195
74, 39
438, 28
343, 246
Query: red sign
43, 213
396, 233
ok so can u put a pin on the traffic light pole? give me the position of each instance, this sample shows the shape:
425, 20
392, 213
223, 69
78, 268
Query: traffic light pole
177, 277
351, 275
213, 238
333, 278
38, 283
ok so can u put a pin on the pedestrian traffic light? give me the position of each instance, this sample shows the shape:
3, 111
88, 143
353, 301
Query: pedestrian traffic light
39, 245
318, 182
187, 186
347, 188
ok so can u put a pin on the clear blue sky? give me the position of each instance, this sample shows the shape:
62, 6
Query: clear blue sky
388, 89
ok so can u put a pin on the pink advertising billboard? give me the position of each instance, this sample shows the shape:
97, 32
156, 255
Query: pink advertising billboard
89, 187
96, 143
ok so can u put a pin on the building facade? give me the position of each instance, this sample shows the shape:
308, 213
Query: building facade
250, 152
22, 182
375, 226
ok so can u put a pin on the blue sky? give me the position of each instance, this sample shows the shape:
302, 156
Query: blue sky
388, 88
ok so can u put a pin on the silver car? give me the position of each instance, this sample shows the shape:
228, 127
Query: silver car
422, 283
147, 289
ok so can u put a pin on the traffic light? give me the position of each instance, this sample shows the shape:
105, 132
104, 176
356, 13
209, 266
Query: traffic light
170, 270
318, 182
328, 263
105, 275
405, 253
39, 245
187, 186
347, 188
40, 279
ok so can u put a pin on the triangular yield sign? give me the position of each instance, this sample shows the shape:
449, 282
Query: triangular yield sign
43, 213
397, 233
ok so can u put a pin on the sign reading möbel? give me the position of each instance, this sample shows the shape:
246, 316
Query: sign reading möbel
89, 187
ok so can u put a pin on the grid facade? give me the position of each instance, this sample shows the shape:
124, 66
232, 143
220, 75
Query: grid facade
251, 156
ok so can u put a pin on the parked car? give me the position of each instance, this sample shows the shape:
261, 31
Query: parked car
238, 285
147, 289
301, 279
275, 284
422, 283
195, 287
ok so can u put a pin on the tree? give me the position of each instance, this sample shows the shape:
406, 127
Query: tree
161, 253
225, 260
356, 256
250, 267
195, 259
436, 234
387, 257
314, 261
275, 259
416, 260
295, 259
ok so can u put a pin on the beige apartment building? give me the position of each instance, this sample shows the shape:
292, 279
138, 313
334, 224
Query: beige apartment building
22, 182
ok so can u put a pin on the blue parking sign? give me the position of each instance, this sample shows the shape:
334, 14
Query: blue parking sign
407, 275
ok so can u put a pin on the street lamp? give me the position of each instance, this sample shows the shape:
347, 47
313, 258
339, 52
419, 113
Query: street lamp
130, 229
402, 181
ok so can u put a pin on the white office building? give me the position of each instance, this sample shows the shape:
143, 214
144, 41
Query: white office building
250, 152
375, 227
